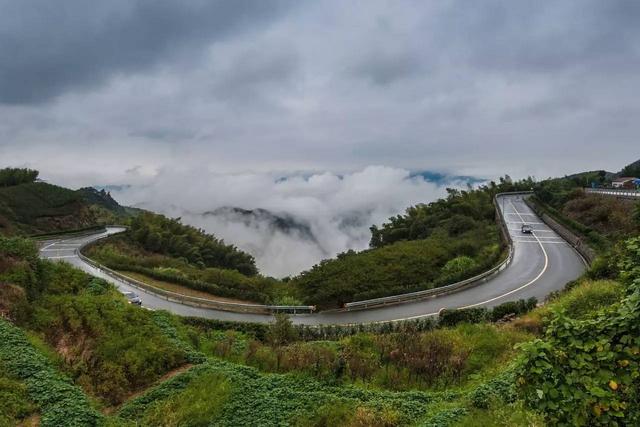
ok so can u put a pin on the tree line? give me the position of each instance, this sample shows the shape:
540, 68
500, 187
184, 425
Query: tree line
159, 234
16, 176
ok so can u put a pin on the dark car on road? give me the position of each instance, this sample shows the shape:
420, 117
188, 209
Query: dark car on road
132, 297
526, 229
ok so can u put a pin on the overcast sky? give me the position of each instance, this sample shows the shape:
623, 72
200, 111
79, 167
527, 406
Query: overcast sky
110, 92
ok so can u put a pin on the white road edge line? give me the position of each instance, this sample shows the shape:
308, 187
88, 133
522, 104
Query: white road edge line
49, 245
531, 282
546, 265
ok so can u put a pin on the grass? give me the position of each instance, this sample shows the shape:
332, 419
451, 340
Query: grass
278, 399
201, 401
15, 404
579, 301
500, 414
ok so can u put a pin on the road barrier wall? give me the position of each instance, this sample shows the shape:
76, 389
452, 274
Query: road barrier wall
615, 192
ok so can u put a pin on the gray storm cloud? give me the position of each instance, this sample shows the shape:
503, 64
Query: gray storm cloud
144, 93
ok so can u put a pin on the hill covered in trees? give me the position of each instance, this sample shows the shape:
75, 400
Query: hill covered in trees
431, 245
31, 206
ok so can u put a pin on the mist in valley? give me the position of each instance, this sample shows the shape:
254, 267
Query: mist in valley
288, 222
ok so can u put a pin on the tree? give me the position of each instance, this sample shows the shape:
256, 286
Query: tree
282, 331
636, 213
16, 176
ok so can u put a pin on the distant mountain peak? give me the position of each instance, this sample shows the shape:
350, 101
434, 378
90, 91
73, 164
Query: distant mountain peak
283, 222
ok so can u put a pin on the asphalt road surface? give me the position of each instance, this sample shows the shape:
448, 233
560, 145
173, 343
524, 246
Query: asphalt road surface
543, 262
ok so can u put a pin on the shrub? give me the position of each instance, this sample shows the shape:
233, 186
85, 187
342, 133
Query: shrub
501, 388
59, 401
588, 297
586, 372
513, 308
14, 400
111, 347
465, 315
282, 331
458, 265
199, 403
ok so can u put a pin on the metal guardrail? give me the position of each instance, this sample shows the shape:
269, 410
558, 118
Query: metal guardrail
63, 235
454, 287
190, 300
616, 192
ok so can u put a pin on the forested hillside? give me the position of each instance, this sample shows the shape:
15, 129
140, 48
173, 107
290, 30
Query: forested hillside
431, 245
600, 220
167, 253
29, 206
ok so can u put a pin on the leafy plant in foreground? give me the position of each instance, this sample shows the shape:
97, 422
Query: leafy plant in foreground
587, 372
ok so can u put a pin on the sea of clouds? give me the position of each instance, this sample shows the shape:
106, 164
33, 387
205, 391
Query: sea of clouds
337, 209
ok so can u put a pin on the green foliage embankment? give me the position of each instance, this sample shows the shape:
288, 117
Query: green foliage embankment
240, 395
57, 399
431, 245
600, 220
124, 254
108, 346
28, 206
586, 371
162, 235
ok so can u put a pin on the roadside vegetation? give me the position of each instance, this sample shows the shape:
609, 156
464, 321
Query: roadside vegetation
163, 249
431, 245
600, 220
462, 370
74, 352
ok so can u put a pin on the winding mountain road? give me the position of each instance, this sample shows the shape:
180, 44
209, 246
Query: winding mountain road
542, 262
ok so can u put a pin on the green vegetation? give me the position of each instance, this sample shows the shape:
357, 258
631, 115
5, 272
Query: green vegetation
197, 404
165, 236
399, 268
15, 404
15, 176
123, 253
429, 246
503, 311
587, 371
108, 346
57, 399
29, 207
248, 397
600, 220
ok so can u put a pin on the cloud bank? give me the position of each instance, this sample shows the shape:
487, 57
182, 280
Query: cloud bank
203, 104
481, 88
321, 214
